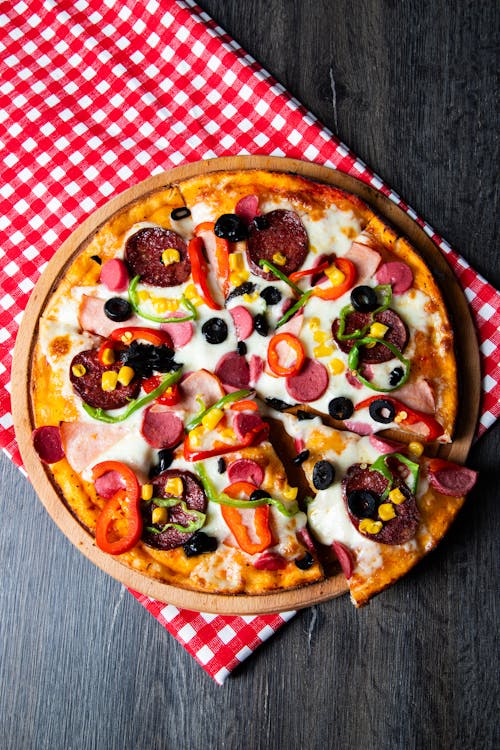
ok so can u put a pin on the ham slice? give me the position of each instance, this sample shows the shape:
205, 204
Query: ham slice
418, 395
364, 256
84, 443
203, 384
92, 317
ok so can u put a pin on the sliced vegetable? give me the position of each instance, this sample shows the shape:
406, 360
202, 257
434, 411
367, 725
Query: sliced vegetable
199, 270
198, 521
227, 399
280, 275
124, 504
404, 416
134, 302
234, 520
134, 333
353, 360
296, 275
170, 397
334, 291
273, 356
221, 253
294, 308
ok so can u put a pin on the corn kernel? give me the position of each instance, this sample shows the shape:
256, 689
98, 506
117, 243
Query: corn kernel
336, 366
143, 296
290, 493
212, 419
191, 294
396, 496
236, 262
279, 259
323, 350
195, 436
416, 448
228, 433
249, 298
314, 324
386, 511
367, 526
109, 380
239, 277
127, 337
401, 416
335, 275
378, 330
125, 375
108, 356
159, 515
147, 491
174, 486
78, 370
321, 336
169, 256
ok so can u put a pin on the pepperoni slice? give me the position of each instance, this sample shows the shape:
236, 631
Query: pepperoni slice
398, 530
143, 253
47, 443
310, 383
161, 427
278, 231
88, 385
194, 497
245, 470
233, 370
396, 335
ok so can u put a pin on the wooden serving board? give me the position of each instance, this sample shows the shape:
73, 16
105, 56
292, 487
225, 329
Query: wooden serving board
332, 586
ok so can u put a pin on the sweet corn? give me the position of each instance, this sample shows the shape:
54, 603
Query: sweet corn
239, 277
125, 375
108, 356
367, 526
396, 496
314, 324
174, 486
165, 304
290, 493
401, 416
127, 337
378, 330
147, 491
236, 262
323, 350
228, 433
336, 366
335, 275
386, 511
191, 294
78, 370
212, 419
169, 256
321, 336
109, 380
143, 296
249, 298
159, 515
279, 259
416, 448
195, 436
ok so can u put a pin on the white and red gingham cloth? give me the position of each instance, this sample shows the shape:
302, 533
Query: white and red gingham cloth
96, 95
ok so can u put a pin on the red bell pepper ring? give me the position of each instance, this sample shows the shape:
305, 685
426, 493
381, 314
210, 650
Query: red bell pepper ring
405, 416
133, 333
334, 292
125, 503
170, 397
199, 270
273, 356
253, 437
296, 275
221, 253
234, 518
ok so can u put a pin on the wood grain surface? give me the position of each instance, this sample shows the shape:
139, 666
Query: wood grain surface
410, 86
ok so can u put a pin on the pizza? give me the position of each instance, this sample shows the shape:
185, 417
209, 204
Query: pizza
213, 381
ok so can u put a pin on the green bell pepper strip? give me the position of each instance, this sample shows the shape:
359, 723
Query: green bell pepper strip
380, 465
222, 499
353, 359
190, 528
292, 310
227, 399
134, 302
280, 275
386, 290
104, 416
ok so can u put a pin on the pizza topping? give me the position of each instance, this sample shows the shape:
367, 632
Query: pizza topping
180, 332
117, 309
353, 330
341, 276
255, 535
290, 312
301, 457
161, 427
165, 458
233, 370
243, 322
415, 421
246, 470
310, 383
271, 295
174, 316
281, 347
200, 272
247, 208
247, 423
122, 509
345, 558
182, 212
248, 287
363, 503
215, 330
270, 560
396, 273
396, 375
364, 255
199, 544
382, 410
282, 231
261, 324
451, 479
96, 259
323, 474
108, 484
47, 443
231, 227
114, 275
364, 299
89, 385
143, 253
340, 408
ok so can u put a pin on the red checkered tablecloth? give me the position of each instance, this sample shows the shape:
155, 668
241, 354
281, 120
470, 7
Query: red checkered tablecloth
96, 96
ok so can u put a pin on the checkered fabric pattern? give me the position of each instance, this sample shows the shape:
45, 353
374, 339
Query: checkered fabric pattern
98, 95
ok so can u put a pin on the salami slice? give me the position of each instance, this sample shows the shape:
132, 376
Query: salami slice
310, 383
47, 443
88, 385
397, 335
233, 370
278, 231
398, 530
450, 479
143, 253
161, 427
194, 497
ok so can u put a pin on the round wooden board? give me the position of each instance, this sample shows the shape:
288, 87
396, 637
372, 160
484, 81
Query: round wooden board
467, 354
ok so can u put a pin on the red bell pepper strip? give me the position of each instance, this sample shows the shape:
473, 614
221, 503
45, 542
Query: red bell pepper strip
405, 416
334, 292
273, 356
296, 275
132, 333
221, 252
170, 397
234, 519
199, 270
245, 405
253, 437
125, 502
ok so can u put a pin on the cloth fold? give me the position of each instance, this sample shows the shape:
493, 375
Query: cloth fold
95, 97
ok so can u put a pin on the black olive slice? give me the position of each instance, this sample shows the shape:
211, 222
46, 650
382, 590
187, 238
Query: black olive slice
302, 415
231, 227
214, 330
241, 348
258, 495
261, 222
200, 543
117, 309
221, 465
300, 457
165, 458
261, 325
396, 375
382, 410
278, 404
96, 259
340, 408
304, 563
363, 503
180, 213
271, 295
246, 288
364, 299
323, 475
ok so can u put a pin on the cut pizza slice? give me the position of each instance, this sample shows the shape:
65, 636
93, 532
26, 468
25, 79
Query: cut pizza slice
378, 506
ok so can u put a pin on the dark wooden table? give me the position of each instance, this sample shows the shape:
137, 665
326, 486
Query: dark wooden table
410, 86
